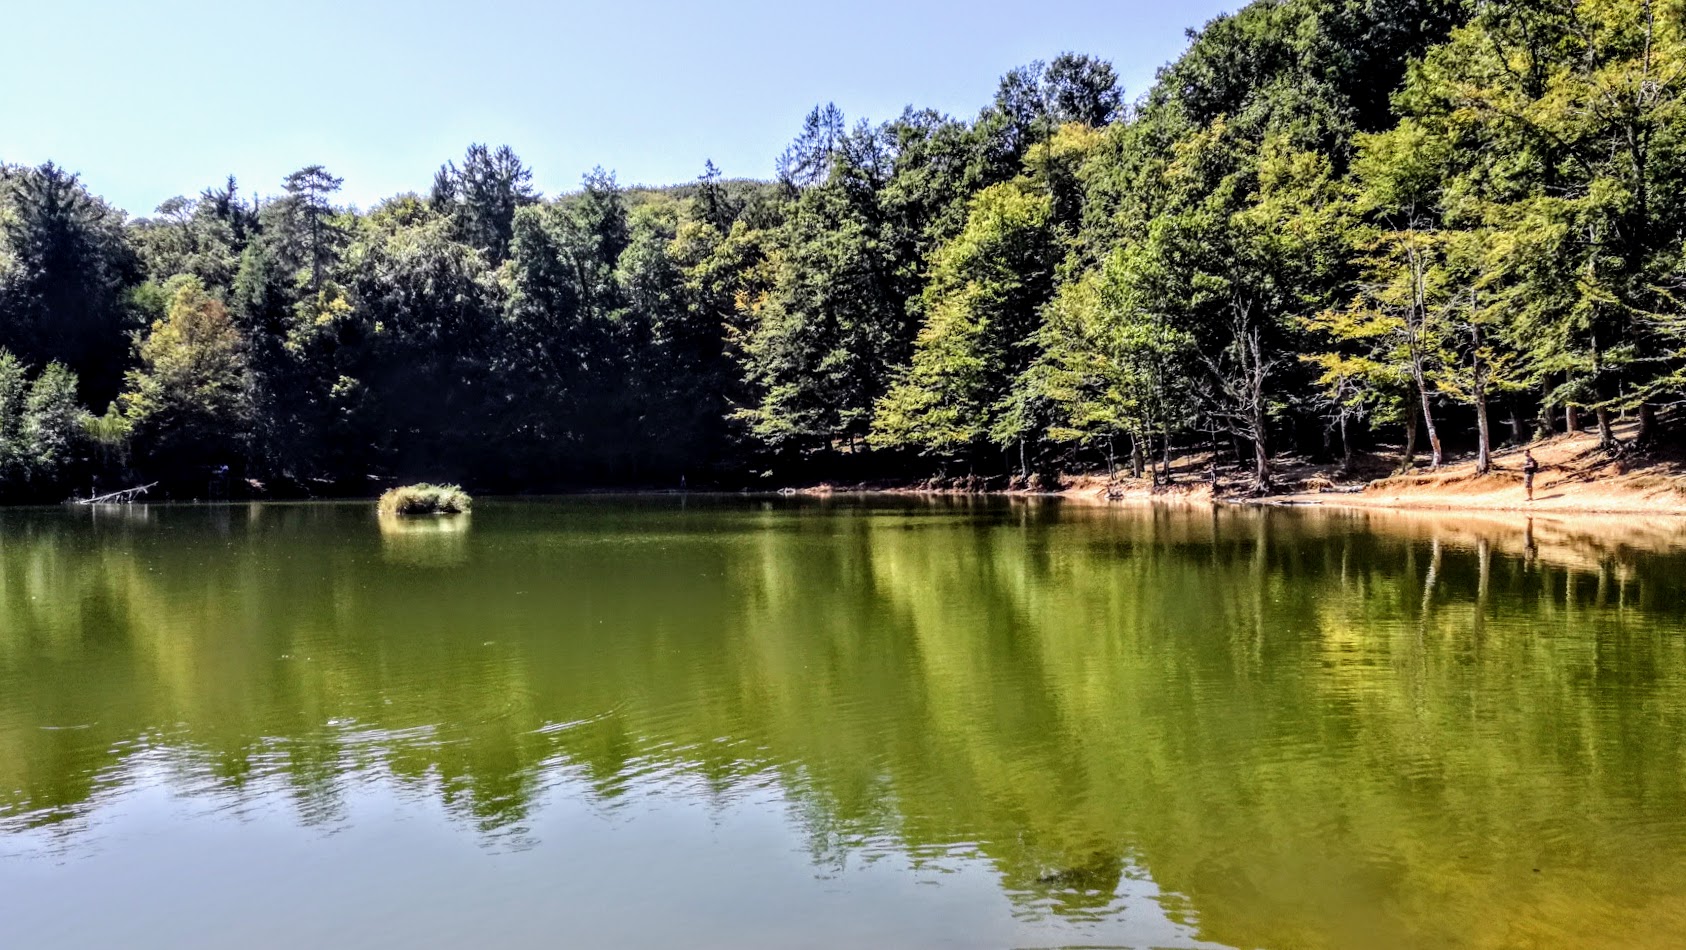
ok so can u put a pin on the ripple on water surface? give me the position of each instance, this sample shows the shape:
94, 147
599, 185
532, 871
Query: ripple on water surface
901, 723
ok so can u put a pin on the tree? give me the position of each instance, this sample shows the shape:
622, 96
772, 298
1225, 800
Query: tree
15, 449
1476, 362
983, 306
54, 426
430, 313
715, 205
482, 196
1239, 261
934, 174
188, 400
309, 237
1406, 294
65, 269
1114, 363
573, 343
202, 236
833, 323
1567, 118
809, 159
828, 332
1084, 90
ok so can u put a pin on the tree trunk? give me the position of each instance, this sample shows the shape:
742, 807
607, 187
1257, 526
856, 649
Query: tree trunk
1261, 459
1647, 424
1572, 418
1258, 410
1437, 458
1135, 456
1606, 434
1261, 427
1346, 448
1408, 458
1545, 425
1416, 327
1165, 456
1484, 440
1478, 375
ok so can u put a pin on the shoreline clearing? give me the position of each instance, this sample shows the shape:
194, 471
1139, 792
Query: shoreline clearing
1577, 477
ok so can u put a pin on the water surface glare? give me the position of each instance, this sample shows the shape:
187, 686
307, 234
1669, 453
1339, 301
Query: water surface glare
733, 722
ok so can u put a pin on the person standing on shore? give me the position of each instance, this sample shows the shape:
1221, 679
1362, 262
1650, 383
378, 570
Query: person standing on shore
1530, 468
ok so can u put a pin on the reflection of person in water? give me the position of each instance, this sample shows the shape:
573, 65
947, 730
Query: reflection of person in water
1530, 468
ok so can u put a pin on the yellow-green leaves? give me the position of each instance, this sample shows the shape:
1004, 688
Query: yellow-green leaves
189, 397
982, 308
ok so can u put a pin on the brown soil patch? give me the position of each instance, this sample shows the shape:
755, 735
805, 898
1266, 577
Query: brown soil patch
1575, 476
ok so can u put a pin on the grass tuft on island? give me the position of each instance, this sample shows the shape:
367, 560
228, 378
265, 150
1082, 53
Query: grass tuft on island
426, 500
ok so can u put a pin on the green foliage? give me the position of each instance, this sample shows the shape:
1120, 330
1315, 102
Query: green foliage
1323, 216
188, 402
1566, 121
1114, 364
15, 449
307, 230
982, 303
202, 236
65, 263
482, 196
419, 330
53, 423
833, 323
42, 434
109, 437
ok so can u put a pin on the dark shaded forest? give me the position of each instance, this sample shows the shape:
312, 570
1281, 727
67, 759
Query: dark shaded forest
1329, 226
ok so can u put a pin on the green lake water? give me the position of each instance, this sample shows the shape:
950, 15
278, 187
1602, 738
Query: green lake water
746, 723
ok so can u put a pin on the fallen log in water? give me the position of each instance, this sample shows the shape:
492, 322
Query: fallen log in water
124, 497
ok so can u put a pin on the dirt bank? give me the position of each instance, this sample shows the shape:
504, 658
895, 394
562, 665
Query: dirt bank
1576, 477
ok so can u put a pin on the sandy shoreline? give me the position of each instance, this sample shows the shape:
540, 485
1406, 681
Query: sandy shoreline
1576, 478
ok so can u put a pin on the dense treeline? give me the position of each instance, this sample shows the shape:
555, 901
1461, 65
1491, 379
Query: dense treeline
1435, 221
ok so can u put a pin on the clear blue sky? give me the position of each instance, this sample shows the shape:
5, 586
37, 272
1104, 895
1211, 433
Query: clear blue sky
149, 100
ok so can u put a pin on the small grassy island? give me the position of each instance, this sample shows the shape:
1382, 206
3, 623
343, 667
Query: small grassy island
426, 499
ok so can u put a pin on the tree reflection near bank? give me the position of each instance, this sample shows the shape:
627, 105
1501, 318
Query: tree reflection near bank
1309, 728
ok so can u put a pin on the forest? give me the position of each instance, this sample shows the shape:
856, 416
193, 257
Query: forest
1329, 227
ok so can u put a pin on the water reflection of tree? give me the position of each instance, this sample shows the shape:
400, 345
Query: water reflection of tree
1270, 712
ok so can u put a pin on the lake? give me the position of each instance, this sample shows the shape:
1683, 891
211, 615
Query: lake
744, 722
